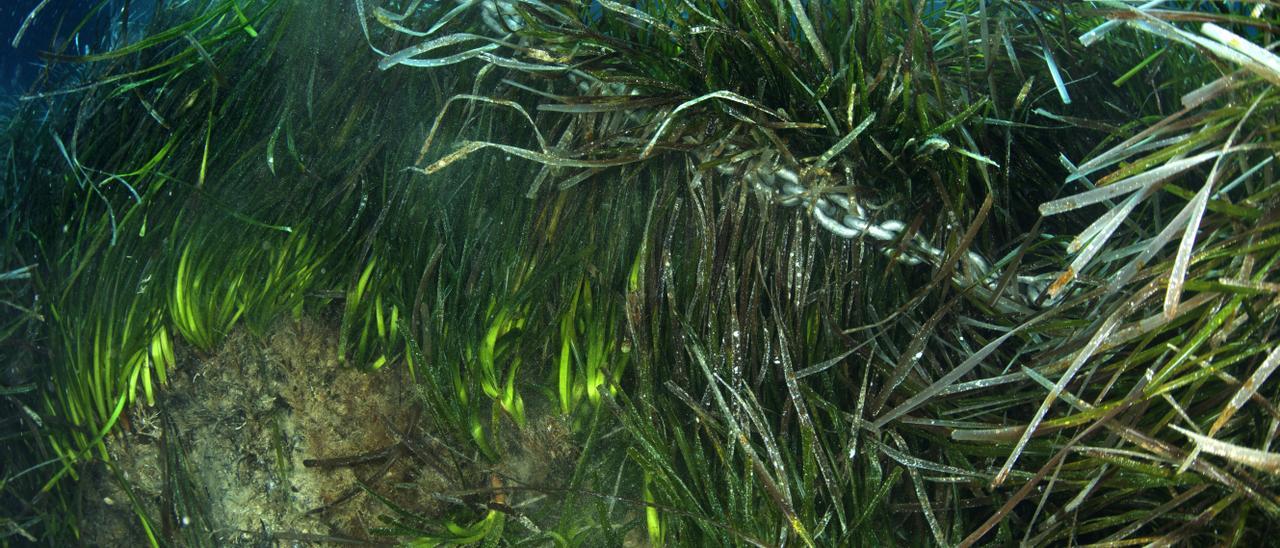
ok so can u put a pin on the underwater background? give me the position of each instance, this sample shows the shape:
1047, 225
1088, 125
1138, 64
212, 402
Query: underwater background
641, 273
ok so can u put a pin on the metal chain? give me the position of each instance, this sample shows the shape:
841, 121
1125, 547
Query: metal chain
836, 213
848, 219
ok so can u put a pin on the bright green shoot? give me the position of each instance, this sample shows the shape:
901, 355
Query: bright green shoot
495, 348
652, 518
291, 269
591, 356
370, 322
489, 527
205, 303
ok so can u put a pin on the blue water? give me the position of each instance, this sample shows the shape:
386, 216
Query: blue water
49, 30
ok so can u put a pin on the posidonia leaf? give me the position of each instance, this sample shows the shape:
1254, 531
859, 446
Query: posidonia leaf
1248, 389
407, 56
469, 147
806, 26
1083, 355
1254, 458
720, 95
435, 126
1182, 260
1119, 188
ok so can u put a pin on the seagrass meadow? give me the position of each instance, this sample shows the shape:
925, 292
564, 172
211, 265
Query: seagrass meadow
642, 273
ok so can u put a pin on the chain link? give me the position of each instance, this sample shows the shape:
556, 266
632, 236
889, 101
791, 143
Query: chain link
848, 219
836, 213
